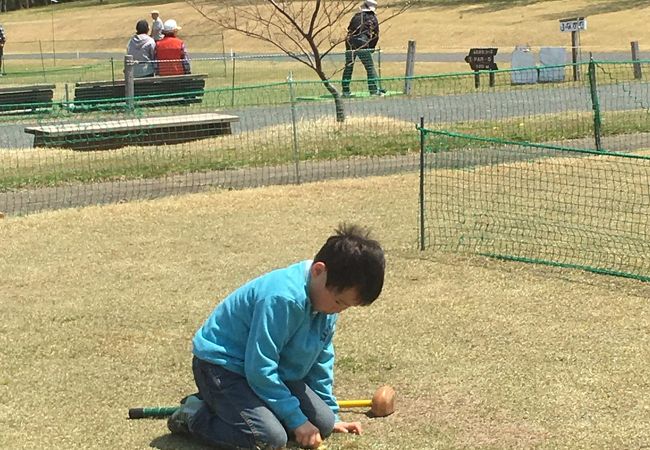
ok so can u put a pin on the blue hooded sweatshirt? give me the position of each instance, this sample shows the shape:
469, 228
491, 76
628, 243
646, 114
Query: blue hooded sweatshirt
267, 331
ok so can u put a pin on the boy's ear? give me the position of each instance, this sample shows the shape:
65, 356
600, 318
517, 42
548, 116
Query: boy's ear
318, 268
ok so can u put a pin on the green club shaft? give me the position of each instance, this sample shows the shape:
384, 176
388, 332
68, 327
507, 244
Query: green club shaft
152, 412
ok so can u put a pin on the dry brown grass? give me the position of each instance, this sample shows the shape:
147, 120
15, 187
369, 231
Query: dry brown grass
454, 28
99, 305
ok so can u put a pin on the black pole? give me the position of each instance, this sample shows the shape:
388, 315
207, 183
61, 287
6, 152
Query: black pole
595, 104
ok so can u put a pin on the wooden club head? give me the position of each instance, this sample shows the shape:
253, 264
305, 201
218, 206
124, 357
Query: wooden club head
383, 402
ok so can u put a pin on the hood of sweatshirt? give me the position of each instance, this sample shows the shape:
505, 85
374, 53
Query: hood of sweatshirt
139, 40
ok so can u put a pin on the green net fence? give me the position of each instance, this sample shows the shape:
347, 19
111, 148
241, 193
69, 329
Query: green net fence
228, 70
564, 181
91, 143
179, 134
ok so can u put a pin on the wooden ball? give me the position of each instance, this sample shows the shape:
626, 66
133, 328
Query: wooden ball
383, 402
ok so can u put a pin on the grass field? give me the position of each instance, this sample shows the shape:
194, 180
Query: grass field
100, 303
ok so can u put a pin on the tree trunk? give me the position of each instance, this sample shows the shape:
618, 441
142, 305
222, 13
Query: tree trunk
338, 103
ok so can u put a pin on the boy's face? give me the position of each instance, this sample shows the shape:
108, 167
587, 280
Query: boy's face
329, 301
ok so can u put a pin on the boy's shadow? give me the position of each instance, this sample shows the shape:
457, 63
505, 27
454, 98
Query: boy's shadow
174, 442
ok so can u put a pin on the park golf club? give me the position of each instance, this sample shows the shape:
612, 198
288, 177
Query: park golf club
382, 404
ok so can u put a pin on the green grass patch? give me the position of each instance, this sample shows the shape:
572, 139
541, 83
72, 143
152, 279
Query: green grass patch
317, 140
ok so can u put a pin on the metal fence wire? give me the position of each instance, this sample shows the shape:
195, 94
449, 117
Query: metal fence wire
70, 151
565, 183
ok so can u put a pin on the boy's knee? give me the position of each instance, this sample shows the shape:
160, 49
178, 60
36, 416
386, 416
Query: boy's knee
272, 437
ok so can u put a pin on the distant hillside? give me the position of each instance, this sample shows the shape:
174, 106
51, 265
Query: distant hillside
441, 25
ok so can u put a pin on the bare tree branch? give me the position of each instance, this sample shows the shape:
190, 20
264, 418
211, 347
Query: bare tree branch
305, 30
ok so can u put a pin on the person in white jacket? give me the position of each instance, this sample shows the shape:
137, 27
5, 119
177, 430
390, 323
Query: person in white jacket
142, 47
156, 26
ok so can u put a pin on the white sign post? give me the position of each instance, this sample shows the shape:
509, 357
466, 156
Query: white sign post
574, 26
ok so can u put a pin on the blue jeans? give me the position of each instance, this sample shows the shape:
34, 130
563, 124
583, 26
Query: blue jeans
234, 417
365, 55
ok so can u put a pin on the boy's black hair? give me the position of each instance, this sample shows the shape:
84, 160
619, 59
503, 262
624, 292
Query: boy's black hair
353, 260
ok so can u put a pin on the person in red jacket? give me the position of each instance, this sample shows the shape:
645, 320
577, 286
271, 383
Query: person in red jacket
171, 54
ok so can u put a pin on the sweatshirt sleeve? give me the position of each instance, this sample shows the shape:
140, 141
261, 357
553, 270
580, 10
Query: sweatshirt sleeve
321, 378
374, 33
272, 325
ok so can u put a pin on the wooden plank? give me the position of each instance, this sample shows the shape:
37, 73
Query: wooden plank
132, 124
26, 99
30, 97
121, 133
172, 90
145, 80
153, 88
36, 87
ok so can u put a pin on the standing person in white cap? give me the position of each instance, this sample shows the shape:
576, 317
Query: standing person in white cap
362, 38
156, 26
171, 54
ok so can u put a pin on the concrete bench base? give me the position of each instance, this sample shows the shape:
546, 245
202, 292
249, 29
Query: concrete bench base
120, 133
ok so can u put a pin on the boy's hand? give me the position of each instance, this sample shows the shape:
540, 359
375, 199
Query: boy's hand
308, 436
348, 427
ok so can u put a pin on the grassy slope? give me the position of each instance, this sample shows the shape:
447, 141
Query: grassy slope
449, 27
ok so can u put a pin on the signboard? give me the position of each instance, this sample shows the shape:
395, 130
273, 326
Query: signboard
575, 24
523, 61
482, 58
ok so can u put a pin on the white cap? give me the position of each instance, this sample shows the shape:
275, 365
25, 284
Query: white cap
369, 5
170, 25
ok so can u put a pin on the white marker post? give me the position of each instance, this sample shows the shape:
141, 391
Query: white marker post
574, 26
52, 3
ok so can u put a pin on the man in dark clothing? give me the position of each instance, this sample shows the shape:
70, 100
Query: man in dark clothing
3, 39
362, 38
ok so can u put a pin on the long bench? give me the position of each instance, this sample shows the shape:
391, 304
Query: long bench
149, 91
139, 131
26, 99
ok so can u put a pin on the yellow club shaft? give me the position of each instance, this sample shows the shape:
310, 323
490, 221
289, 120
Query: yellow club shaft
354, 403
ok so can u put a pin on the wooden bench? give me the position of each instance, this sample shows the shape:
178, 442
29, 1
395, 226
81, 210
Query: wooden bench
149, 91
26, 99
139, 131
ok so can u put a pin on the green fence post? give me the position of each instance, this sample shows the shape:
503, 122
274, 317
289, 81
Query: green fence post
296, 152
595, 104
421, 183
232, 86
379, 62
